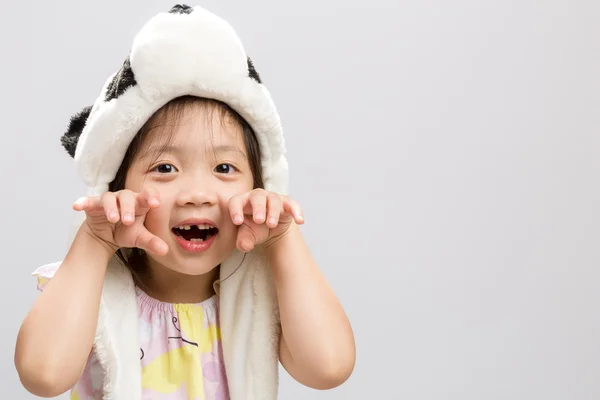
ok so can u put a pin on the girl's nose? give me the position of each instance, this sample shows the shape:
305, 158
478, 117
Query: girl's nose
196, 198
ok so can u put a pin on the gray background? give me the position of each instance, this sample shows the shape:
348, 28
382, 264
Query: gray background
446, 155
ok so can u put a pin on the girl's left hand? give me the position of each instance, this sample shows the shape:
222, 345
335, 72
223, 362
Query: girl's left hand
263, 217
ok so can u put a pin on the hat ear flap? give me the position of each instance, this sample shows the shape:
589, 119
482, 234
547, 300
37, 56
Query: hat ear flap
71, 137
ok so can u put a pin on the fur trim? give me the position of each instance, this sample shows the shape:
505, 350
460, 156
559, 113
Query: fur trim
250, 326
117, 341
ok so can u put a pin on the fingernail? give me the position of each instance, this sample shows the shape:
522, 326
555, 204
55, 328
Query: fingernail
272, 220
259, 216
128, 217
113, 215
80, 200
238, 219
153, 202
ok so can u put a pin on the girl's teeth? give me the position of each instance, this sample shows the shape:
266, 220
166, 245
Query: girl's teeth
196, 240
188, 227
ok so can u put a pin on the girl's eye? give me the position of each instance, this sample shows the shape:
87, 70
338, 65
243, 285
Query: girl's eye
225, 169
165, 169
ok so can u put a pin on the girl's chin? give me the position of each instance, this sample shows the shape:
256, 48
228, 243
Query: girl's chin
187, 267
195, 271
192, 267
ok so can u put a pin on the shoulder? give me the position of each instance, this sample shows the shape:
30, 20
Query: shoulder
45, 273
47, 270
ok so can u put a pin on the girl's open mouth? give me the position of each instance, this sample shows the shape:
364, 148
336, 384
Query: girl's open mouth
195, 233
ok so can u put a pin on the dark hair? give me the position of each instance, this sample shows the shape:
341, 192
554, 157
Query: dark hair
168, 116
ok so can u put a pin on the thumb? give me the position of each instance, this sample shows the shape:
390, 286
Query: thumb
151, 243
139, 236
250, 235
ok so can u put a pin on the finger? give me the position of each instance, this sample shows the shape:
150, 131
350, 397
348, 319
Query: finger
294, 209
246, 239
274, 208
126, 200
111, 208
151, 243
258, 200
149, 198
236, 208
87, 204
80, 204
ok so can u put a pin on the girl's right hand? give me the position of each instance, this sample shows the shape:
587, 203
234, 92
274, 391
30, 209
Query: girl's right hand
117, 219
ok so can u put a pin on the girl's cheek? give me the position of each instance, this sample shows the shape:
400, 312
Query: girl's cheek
156, 220
225, 197
150, 221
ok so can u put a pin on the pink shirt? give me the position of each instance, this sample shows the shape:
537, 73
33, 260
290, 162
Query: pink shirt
180, 353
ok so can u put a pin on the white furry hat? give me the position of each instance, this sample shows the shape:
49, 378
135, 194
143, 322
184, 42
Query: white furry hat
186, 51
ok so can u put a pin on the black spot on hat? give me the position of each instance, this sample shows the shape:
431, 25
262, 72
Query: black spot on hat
123, 80
71, 137
252, 71
181, 9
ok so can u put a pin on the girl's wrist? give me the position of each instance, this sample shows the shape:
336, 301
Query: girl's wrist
274, 245
95, 244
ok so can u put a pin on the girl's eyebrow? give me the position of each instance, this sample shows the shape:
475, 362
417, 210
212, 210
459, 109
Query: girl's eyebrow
178, 150
227, 148
162, 150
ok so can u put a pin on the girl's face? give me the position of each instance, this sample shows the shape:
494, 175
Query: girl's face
202, 166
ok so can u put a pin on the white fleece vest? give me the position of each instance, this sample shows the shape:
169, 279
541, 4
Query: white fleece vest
250, 329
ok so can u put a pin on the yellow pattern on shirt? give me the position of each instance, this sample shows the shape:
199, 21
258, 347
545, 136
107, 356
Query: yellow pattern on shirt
168, 372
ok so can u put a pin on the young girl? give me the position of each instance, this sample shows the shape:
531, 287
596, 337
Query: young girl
188, 277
